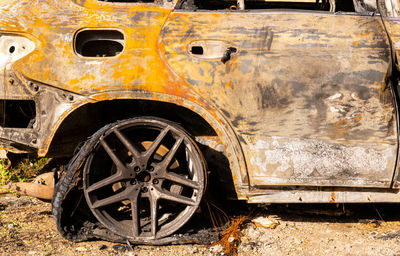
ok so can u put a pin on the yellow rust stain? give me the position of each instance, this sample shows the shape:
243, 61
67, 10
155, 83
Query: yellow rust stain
333, 198
229, 84
270, 168
358, 117
339, 129
141, 66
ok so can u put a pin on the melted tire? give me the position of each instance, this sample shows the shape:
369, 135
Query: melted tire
75, 224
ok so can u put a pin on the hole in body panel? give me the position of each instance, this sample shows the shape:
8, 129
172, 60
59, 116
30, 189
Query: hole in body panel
99, 43
17, 113
197, 50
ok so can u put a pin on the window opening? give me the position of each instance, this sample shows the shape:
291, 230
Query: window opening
317, 5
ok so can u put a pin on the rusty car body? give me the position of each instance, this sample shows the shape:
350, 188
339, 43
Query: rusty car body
283, 101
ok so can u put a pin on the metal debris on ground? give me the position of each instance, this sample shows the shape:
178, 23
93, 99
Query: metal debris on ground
266, 222
231, 236
42, 187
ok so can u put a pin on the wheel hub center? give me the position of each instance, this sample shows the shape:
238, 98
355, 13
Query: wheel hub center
144, 176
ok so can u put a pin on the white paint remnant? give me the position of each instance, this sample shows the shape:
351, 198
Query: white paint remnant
13, 48
95, 62
335, 96
333, 109
311, 160
354, 96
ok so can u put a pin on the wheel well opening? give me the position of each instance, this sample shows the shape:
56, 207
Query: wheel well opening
86, 120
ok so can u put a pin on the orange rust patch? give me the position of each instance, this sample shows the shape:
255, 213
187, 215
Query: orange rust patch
229, 84
333, 198
358, 117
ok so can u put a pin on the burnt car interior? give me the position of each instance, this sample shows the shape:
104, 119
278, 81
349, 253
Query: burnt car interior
323, 5
340, 5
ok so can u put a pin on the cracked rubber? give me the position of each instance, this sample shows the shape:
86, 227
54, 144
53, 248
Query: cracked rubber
75, 221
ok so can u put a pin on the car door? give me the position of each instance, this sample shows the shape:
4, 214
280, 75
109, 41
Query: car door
306, 91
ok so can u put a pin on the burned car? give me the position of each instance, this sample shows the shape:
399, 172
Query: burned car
283, 101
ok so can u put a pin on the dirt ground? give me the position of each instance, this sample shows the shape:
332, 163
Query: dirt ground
27, 228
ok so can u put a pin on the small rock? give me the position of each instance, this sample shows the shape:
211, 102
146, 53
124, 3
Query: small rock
266, 222
102, 247
297, 241
81, 249
216, 248
120, 248
32, 252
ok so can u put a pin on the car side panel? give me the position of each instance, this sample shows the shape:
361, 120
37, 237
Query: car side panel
66, 81
306, 92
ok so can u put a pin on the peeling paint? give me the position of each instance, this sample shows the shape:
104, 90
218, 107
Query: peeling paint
290, 161
310, 104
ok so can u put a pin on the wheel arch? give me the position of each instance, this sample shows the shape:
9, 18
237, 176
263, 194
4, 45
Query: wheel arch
198, 120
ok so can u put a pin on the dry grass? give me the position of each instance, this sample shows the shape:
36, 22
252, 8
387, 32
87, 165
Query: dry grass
231, 236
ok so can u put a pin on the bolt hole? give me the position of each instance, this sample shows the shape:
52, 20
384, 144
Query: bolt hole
144, 176
197, 50
11, 49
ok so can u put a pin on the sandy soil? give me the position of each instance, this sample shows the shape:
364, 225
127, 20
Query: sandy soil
27, 228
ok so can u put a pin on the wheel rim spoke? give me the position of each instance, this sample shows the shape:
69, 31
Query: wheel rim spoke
102, 183
181, 180
128, 144
175, 197
153, 214
112, 155
134, 211
156, 143
110, 200
170, 155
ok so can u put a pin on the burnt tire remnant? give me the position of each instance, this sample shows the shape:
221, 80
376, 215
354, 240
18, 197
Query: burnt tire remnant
154, 158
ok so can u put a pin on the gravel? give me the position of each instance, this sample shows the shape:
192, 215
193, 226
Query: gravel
27, 228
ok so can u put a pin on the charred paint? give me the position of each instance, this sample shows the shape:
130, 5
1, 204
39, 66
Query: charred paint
305, 83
